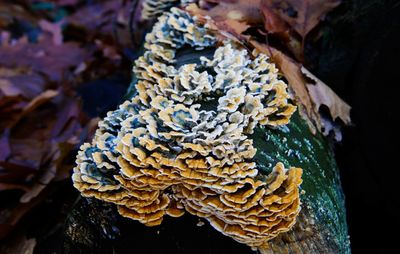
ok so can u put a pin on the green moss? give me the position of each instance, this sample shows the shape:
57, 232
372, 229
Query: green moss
295, 146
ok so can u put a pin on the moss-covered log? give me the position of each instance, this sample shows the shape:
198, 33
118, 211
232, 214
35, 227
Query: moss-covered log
236, 162
320, 228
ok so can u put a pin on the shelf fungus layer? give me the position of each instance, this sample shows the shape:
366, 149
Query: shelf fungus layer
182, 142
153, 8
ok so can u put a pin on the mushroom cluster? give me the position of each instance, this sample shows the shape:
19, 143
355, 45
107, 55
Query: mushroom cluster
153, 8
182, 142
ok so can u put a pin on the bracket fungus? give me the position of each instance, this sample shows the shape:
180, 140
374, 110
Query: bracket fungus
154, 8
182, 143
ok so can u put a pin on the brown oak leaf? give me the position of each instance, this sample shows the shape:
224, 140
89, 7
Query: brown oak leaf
234, 15
301, 15
310, 95
322, 94
55, 61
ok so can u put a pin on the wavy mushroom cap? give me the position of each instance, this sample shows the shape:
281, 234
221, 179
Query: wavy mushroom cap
181, 143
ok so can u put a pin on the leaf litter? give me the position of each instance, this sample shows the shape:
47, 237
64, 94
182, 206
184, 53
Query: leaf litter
48, 50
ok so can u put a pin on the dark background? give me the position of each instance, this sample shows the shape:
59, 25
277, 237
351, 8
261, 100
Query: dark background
360, 60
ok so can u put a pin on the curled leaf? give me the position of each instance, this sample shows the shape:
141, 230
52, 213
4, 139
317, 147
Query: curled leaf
236, 16
301, 15
42, 57
322, 94
273, 23
310, 95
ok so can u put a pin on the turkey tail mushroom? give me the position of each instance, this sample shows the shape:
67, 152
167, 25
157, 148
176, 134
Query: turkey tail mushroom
182, 143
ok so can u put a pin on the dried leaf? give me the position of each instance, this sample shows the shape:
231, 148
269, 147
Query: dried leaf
272, 22
35, 156
43, 57
20, 82
44, 180
54, 29
301, 15
236, 16
279, 18
8, 89
19, 245
100, 17
39, 100
322, 94
247, 11
41, 119
310, 96
235, 27
25, 247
